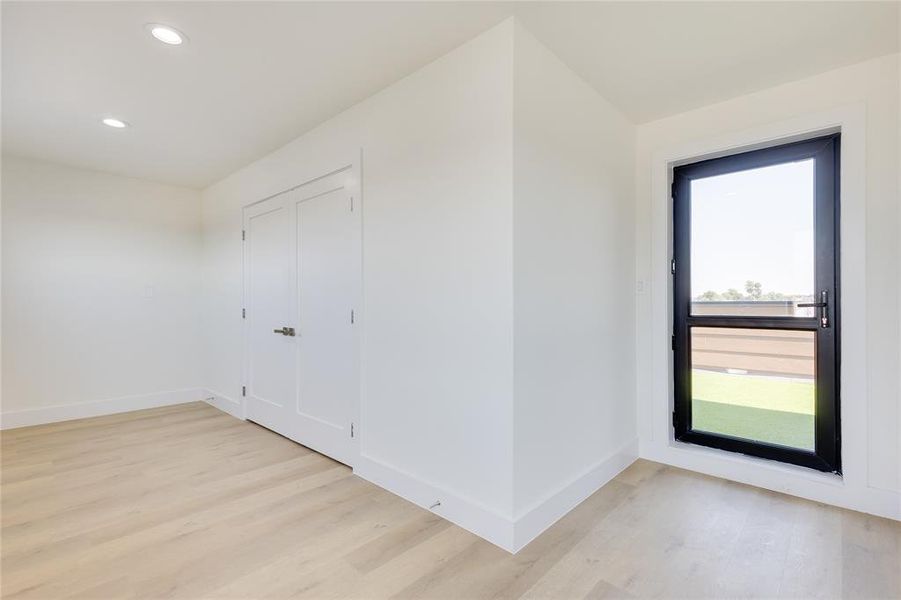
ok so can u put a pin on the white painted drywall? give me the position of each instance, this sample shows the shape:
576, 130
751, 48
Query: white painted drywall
100, 289
898, 196
443, 226
573, 251
437, 263
869, 89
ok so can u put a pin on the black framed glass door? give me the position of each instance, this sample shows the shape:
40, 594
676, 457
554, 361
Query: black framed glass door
756, 314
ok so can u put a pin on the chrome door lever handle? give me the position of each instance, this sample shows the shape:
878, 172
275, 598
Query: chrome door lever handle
288, 331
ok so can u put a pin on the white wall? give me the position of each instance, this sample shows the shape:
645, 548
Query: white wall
867, 93
442, 229
99, 293
437, 261
574, 303
898, 195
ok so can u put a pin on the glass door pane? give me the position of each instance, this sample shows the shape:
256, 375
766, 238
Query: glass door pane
752, 249
754, 384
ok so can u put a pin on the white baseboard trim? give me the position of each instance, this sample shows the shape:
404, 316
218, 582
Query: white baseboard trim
96, 408
224, 403
471, 516
504, 532
535, 520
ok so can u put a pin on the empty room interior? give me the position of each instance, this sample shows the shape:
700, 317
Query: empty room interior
450, 300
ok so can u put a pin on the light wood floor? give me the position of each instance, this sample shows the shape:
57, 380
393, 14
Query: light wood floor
188, 502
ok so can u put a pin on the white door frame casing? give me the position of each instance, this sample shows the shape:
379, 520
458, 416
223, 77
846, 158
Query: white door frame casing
350, 169
852, 489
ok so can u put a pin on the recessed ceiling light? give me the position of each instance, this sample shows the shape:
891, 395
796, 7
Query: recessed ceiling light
117, 123
166, 34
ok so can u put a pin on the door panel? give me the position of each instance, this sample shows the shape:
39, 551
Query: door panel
755, 384
302, 260
328, 275
752, 243
271, 357
755, 300
325, 291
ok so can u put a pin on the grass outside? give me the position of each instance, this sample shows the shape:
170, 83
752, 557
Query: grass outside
777, 410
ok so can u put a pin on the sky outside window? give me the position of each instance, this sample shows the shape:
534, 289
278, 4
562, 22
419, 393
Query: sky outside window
755, 225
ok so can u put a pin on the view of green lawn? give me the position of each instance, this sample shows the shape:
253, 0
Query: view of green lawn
777, 410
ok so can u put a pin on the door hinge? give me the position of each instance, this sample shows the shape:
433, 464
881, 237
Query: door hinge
352, 432
674, 418
672, 190
243, 235
243, 313
243, 390
351, 316
672, 266
672, 342
351, 204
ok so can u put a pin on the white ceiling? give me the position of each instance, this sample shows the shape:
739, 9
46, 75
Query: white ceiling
257, 74
654, 59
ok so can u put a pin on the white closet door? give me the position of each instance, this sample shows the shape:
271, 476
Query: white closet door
302, 259
327, 276
271, 376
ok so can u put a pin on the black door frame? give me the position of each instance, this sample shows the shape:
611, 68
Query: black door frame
825, 152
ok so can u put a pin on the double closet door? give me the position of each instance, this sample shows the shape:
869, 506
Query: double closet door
302, 277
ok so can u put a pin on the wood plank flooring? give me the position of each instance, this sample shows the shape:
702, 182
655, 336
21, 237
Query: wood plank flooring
187, 502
